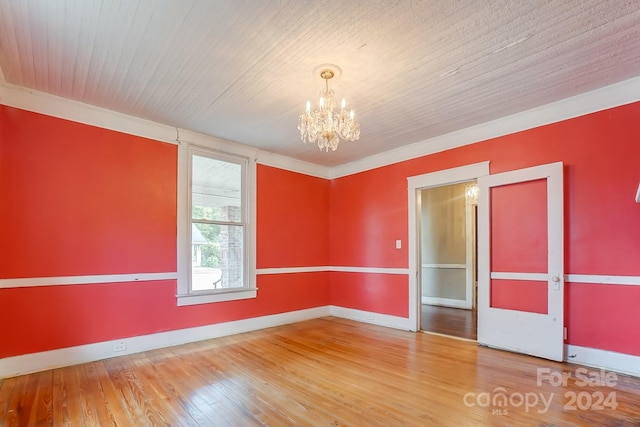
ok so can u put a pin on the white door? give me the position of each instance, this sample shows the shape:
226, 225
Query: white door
521, 261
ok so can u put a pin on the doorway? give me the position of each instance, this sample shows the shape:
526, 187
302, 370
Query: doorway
520, 257
440, 314
448, 267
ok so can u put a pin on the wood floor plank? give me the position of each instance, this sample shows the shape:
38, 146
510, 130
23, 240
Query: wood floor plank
42, 411
6, 392
330, 371
21, 400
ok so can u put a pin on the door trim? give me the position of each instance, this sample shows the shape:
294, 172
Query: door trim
420, 182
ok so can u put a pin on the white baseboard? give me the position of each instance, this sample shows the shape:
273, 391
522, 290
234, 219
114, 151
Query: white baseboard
35, 362
447, 302
371, 317
604, 359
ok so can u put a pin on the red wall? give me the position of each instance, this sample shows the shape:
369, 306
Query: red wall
293, 225
600, 152
79, 200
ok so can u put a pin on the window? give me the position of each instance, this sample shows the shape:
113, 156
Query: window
214, 260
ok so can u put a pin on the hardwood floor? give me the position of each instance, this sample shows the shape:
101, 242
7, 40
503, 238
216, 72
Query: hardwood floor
328, 371
455, 322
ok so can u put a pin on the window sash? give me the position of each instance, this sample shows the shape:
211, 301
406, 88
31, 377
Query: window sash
187, 295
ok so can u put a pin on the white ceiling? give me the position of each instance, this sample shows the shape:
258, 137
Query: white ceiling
242, 70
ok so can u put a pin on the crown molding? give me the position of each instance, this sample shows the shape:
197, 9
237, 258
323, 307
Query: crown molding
67, 109
611, 96
604, 98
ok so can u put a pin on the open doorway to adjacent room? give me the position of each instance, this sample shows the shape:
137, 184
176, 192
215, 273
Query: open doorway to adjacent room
448, 265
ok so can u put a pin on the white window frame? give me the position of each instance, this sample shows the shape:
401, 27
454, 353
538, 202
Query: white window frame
185, 296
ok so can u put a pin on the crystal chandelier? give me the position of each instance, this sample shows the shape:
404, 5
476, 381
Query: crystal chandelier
471, 193
325, 126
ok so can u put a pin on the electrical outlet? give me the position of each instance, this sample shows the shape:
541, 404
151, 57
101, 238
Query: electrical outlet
119, 346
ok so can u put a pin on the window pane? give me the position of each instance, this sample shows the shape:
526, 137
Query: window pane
216, 190
216, 256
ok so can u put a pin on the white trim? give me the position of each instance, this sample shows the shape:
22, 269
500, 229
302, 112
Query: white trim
374, 270
450, 337
34, 362
603, 359
291, 270
415, 183
615, 95
63, 108
206, 298
611, 96
460, 266
446, 302
343, 269
142, 277
185, 296
449, 176
638, 194
470, 244
85, 280
603, 280
538, 277
371, 317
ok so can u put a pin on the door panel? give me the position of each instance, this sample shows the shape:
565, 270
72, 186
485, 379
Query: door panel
520, 260
521, 295
519, 227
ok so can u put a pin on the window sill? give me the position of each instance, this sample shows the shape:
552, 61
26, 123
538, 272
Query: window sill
193, 299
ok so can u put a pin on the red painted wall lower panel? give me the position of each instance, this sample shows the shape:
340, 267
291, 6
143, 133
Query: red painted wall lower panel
37, 319
520, 295
379, 293
603, 316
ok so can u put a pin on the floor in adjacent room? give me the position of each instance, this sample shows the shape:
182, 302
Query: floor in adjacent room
456, 322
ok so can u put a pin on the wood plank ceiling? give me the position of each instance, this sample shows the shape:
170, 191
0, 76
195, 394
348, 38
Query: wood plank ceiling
240, 70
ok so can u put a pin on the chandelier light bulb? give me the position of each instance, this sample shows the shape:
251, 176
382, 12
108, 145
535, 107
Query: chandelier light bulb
324, 127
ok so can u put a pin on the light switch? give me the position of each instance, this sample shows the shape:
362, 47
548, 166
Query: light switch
398, 244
